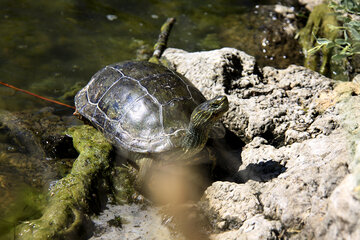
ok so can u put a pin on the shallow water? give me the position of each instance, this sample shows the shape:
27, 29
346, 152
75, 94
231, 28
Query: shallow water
48, 47
54, 47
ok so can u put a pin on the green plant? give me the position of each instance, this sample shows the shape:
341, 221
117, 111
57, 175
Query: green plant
348, 13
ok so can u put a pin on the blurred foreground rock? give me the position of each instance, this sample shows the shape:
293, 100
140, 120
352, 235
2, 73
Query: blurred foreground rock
299, 174
310, 4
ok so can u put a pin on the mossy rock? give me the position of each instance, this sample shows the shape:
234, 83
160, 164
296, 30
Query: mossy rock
318, 26
66, 213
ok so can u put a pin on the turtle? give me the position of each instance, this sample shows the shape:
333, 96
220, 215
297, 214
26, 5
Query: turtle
149, 112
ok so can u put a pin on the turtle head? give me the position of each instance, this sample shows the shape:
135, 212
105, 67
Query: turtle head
207, 113
202, 120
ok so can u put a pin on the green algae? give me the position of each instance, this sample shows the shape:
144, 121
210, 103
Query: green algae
26, 202
65, 214
123, 185
318, 26
211, 41
117, 221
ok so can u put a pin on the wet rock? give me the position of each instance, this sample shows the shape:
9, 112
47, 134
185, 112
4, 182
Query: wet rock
269, 37
38, 135
43, 132
20, 138
296, 177
34, 153
318, 26
22, 157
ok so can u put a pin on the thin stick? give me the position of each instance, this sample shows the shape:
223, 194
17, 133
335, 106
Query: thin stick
35, 95
161, 43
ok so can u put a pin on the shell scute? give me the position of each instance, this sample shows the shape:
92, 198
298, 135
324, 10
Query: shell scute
139, 71
166, 87
176, 115
99, 117
101, 82
142, 120
121, 96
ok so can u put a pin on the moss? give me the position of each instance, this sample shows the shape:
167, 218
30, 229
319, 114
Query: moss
123, 185
318, 26
65, 214
116, 222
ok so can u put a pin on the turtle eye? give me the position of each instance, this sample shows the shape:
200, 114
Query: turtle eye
215, 105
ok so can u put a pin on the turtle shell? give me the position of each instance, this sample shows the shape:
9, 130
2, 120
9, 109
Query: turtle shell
140, 106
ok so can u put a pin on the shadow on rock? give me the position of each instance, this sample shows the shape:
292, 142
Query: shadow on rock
260, 172
228, 162
228, 156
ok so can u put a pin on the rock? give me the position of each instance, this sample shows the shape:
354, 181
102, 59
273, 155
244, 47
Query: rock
255, 228
213, 71
313, 169
296, 173
231, 204
28, 141
278, 105
310, 4
296, 177
342, 218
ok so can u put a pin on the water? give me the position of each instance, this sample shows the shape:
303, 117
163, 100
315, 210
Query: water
53, 47
48, 47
